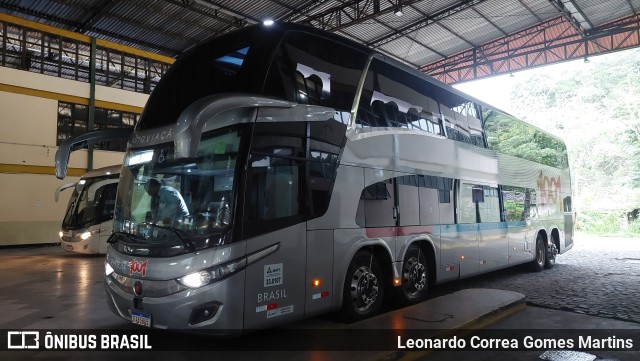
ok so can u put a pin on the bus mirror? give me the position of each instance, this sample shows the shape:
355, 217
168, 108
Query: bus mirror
77, 142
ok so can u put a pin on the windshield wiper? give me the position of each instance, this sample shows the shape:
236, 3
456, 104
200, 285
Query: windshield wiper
116, 236
188, 245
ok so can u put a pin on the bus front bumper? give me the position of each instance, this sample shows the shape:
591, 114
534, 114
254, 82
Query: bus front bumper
88, 246
221, 302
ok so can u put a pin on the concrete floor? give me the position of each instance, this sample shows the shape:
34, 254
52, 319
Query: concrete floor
48, 288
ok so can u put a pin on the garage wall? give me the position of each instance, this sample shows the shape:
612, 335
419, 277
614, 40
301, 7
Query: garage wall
28, 127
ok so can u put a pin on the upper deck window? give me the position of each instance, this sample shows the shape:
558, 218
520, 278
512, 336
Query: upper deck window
233, 60
309, 69
511, 136
393, 98
232, 63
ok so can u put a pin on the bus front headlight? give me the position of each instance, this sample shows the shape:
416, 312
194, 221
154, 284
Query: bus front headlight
196, 279
204, 277
86, 235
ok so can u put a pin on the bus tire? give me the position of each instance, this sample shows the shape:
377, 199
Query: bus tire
363, 287
414, 277
552, 252
540, 256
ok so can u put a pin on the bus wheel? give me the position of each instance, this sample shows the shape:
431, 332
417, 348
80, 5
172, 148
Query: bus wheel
541, 252
363, 288
552, 251
415, 282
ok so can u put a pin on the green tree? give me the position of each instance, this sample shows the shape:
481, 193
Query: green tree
595, 108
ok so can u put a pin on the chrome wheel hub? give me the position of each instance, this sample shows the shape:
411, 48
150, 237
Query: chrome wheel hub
415, 275
364, 288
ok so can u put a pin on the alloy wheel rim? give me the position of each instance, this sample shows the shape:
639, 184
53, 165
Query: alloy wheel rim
415, 276
364, 288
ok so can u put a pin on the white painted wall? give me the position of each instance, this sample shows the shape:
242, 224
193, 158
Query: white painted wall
28, 127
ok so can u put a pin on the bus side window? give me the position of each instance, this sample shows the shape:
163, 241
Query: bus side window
274, 185
108, 201
378, 202
408, 200
392, 97
313, 70
466, 204
489, 210
513, 199
478, 204
274, 195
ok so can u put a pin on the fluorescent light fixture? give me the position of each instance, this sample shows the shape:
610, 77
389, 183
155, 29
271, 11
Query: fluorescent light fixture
267, 22
399, 12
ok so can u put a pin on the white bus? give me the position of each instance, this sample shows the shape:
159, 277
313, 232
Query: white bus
282, 172
88, 221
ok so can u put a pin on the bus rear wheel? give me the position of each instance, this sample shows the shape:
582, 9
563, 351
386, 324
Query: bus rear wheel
540, 256
552, 252
363, 288
414, 275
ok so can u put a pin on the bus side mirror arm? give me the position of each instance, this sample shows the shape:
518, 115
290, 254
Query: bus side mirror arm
192, 120
77, 142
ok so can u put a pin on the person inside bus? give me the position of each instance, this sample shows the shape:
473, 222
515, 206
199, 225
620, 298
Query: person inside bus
167, 205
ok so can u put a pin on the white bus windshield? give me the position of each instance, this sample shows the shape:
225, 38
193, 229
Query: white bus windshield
92, 202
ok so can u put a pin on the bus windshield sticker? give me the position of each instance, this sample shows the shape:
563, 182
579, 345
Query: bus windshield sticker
221, 148
273, 274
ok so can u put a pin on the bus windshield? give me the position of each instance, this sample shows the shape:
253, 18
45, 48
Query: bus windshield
164, 201
92, 202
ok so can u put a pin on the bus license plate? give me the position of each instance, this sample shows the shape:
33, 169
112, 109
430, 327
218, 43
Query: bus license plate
141, 319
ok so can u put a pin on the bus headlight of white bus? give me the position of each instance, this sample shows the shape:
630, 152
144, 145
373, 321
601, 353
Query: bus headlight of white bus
86, 235
213, 274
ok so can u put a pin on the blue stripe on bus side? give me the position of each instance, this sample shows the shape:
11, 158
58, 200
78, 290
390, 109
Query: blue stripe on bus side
448, 228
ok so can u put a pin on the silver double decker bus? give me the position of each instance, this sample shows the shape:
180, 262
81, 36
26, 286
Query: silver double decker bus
279, 172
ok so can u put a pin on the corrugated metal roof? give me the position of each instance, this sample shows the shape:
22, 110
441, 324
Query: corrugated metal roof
170, 27
510, 16
541, 8
472, 27
599, 12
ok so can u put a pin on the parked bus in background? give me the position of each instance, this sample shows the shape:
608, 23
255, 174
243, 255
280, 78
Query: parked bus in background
319, 175
88, 221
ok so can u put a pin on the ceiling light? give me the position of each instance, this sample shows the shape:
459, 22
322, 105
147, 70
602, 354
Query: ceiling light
267, 22
398, 12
